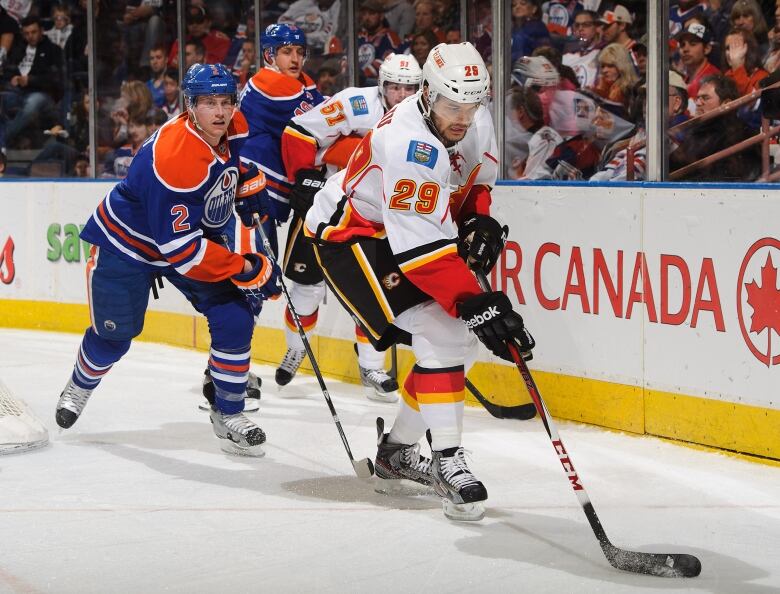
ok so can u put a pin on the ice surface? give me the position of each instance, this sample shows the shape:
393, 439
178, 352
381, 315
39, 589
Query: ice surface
138, 497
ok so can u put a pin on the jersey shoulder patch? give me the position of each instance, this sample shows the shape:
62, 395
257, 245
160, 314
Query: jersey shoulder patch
422, 153
359, 105
182, 160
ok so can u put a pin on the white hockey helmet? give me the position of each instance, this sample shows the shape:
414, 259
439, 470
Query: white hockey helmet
401, 69
455, 71
535, 71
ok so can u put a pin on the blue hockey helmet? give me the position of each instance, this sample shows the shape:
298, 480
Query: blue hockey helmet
208, 79
278, 35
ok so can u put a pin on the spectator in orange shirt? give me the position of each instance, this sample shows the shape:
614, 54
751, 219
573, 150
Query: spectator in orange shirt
616, 74
741, 53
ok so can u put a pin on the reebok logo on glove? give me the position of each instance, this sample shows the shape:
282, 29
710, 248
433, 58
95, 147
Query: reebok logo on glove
314, 183
477, 320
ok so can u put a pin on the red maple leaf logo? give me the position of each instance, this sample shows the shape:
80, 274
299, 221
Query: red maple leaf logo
765, 301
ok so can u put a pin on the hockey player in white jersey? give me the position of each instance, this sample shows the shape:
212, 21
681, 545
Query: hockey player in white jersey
395, 234
325, 137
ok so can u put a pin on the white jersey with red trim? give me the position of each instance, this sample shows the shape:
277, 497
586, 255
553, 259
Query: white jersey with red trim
350, 112
403, 184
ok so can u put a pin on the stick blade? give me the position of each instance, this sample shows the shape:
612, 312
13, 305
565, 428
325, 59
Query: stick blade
522, 412
364, 468
674, 565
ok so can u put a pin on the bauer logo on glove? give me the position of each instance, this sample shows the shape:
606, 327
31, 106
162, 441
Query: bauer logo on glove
251, 198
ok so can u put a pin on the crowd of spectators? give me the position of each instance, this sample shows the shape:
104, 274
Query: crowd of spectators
576, 108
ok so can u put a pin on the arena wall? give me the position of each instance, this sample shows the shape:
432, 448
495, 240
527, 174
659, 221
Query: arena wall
656, 307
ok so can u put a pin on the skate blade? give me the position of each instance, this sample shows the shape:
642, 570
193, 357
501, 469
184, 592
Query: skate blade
387, 397
463, 512
229, 447
401, 487
250, 406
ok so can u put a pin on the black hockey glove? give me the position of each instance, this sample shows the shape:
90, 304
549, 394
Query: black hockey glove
307, 183
251, 197
491, 318
481, 240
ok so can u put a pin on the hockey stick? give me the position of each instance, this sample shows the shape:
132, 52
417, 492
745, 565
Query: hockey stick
393, 363
363, 468
521, 412
658, 564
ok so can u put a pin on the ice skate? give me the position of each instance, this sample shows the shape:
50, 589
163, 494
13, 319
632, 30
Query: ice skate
72, 402
289, 366
251, 401
239, 435
462, 494
378, 385
399, 468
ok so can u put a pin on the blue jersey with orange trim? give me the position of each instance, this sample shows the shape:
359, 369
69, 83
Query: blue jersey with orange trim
270, 100
175, 203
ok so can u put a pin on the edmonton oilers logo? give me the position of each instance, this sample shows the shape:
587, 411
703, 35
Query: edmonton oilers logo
219, 199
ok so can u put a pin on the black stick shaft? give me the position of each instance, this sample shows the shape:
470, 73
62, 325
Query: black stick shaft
310, 353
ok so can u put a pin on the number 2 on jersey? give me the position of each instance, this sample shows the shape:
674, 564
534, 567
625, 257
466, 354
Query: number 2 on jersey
181, 213
406, 189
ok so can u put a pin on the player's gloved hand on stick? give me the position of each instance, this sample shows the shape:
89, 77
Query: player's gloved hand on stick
251, 198
261, 281
307, 183
491, 317
481, 240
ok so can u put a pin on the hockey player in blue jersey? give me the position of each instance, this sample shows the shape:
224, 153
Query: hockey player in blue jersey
168, 218
271, 98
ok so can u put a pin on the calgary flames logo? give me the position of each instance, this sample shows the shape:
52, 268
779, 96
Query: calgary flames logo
391, 281
758, 296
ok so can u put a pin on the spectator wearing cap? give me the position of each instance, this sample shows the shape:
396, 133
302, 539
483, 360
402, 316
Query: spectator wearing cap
695, 43
715, 135
399, 15
677, 108
616, 75
215, 43
741, 53
583, 59
614, 29
376, 41
528, 30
